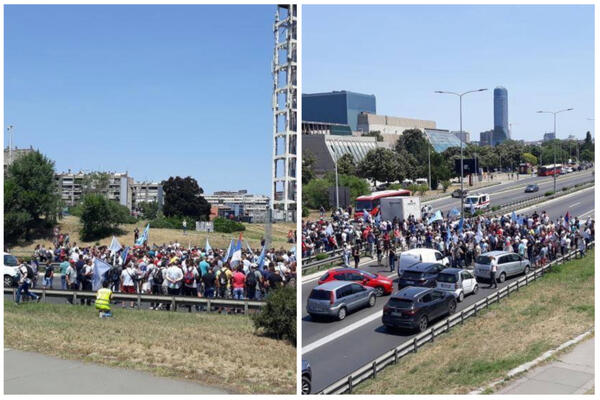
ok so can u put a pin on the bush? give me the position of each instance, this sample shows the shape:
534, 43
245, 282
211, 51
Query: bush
445, 185
564, 189
76, 210
277, 318
227, 225
321, 256
316, 194
549, 193
305, 212
167, 222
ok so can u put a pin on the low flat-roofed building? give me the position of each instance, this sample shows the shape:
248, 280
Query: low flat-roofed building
390, 127
239, 203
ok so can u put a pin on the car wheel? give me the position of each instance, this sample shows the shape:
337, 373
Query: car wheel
379, 291
423, 323
371, 301
526, 270
305, 385
475, 289
341, 313
502, 278
461, 297
452, 307
8, 281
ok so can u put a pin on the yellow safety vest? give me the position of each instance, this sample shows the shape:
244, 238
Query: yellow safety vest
103, 299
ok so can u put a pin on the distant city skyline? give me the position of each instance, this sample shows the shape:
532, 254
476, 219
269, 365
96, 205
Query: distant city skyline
153, 90
542, 55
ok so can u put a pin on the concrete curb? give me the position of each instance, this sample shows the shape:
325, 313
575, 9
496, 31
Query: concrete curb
528, 365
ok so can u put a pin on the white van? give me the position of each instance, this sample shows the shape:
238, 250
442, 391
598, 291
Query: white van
421, 181
411, 257
477, 201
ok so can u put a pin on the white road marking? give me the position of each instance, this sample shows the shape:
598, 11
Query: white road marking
586, 213
574, 204
310, 347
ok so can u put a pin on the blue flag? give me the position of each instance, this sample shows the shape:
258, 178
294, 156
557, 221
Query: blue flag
261, 259
229, 251
460, 226
453, 213
100, 268
144, 237
513, 217
448, 235
435, 217
124, 254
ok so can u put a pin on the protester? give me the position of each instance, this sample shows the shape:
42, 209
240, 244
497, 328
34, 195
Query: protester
26, 274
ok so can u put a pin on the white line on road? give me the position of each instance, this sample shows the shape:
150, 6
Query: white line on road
574, 204
310, 347
586, 213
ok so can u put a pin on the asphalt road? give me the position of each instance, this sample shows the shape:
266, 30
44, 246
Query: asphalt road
336, 348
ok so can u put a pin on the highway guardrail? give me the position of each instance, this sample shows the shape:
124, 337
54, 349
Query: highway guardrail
174, 301
371, 369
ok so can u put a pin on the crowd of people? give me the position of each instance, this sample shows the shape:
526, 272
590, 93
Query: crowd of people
170, 269
534, 236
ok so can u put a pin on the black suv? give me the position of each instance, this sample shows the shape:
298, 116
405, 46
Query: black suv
415, 307
421, 274
457, 193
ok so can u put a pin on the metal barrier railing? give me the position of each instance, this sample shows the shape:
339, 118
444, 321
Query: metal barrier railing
174, 301
371, 369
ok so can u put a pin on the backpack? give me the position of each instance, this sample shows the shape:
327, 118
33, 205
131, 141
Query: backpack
251, 279
114, 274
188, 278
49, 270
157, 276
223, 278
30, 274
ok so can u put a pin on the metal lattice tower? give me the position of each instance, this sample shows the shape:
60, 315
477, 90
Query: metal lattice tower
284, 112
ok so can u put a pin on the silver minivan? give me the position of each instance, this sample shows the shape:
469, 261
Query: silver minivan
338, 298
509, 264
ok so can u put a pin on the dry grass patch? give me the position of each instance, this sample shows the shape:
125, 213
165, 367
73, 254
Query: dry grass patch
539, 317
253, 235
214, 350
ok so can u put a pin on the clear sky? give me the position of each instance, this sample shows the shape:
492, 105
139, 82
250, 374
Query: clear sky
157, 91
543, 55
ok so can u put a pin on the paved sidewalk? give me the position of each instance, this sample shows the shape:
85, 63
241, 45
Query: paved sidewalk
572, 373
33, 373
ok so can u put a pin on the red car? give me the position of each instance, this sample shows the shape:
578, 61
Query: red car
381, 284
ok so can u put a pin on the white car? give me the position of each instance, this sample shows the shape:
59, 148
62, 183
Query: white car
10, 267
408, 258
458, 281
477, 201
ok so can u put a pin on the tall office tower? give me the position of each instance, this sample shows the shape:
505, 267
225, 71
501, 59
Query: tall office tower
283, 200
501, 132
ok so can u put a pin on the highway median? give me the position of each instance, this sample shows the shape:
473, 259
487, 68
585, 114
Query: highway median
531, 321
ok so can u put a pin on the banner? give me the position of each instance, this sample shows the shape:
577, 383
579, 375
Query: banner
435, 217
100, 268
144, 238
114, 245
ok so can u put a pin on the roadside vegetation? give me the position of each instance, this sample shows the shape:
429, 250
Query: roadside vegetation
217, 350
530, 322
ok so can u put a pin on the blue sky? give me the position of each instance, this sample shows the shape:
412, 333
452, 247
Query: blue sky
543, 55
157, 91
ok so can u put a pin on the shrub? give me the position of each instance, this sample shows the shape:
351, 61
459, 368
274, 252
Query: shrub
167, 222
445, 185
549, 193
305, 212
321, 256
227, 225
101, 217
564, 189
277, 318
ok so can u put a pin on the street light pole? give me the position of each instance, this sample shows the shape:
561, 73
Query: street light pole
9, 130
460, 96
429, 162
555, 138
337, 194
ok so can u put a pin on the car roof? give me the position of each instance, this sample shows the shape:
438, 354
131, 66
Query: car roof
421, 250
421, 266
332, 285
451, 271
346, 270
410, 292
495, 253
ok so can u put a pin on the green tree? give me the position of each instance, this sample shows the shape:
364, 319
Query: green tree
95, 182
183, 197
100, 217
445, 185
587, 155
380, 164
31, 197
149, 209
316, 193
376, 134
346, 165
530, 158
277, 318
308, 164
413, 149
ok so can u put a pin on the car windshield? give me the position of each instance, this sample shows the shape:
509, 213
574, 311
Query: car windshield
319, 295
400, 303
10, 261
483, 260
471, 200
447, 278
363, 205
412, 275
531, 186
325, 276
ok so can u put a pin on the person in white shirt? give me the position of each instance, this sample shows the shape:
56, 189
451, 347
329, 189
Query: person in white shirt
128, 277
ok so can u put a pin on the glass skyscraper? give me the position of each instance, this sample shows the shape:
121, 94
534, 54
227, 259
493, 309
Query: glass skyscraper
340, 107
501, 132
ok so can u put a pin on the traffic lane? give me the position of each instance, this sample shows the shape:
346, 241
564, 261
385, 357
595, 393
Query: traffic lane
518, 194
577, 204
342, 356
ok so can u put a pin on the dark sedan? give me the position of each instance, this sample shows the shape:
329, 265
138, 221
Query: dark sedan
532, 188
421, 274
458, 193
416, 307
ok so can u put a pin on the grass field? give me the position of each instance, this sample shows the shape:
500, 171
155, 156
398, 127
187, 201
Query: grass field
252, 234
215, 350
538, 318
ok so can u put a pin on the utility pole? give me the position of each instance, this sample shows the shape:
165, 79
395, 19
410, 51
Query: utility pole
9, 130
555, 139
